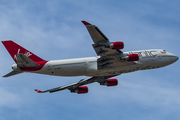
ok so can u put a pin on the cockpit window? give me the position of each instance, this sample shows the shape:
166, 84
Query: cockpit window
163, 52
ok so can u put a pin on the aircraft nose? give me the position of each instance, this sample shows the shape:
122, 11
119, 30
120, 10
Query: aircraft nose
174, 58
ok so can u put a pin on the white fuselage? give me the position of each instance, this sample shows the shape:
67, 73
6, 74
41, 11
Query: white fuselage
148, 59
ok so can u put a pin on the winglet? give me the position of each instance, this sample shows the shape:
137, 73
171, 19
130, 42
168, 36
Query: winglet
38, 91
85, 23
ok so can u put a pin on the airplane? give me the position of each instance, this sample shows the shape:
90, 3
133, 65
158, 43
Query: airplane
110, 61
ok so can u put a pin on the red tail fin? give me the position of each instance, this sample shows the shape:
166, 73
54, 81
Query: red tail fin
14, 49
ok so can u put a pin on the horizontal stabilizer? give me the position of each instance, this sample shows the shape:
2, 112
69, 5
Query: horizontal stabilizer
12, 73
24, 61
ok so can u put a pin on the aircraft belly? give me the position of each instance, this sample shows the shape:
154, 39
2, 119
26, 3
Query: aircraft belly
121, 70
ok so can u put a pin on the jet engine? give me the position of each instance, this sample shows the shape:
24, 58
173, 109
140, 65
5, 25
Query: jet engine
117, 45
81, 90
110, 82
131, 57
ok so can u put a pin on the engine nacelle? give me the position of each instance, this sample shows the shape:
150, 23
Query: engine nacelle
110, 82
117, 45
81, 90
131, 57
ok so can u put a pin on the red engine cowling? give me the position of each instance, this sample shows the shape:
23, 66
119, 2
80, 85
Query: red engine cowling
81, 90
133, 57
117, 45
110, 82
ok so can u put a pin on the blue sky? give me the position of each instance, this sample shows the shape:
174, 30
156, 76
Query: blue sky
53, 30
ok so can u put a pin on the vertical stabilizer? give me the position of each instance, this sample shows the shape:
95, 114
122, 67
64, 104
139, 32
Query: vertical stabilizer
15, 49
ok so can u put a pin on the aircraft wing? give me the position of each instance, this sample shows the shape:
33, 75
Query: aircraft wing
109, 57
72, 87
101, 42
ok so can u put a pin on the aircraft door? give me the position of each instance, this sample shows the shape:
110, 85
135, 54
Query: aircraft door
85, 65
49, 66
159, 56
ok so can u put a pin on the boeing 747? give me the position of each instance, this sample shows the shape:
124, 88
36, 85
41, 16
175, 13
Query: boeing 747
109, 62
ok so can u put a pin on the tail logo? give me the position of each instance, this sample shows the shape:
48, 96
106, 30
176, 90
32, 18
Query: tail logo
26, 54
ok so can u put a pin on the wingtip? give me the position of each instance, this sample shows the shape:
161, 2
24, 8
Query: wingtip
38, 91
85, 23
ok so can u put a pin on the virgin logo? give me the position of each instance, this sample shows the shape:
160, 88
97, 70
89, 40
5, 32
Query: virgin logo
26, 54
